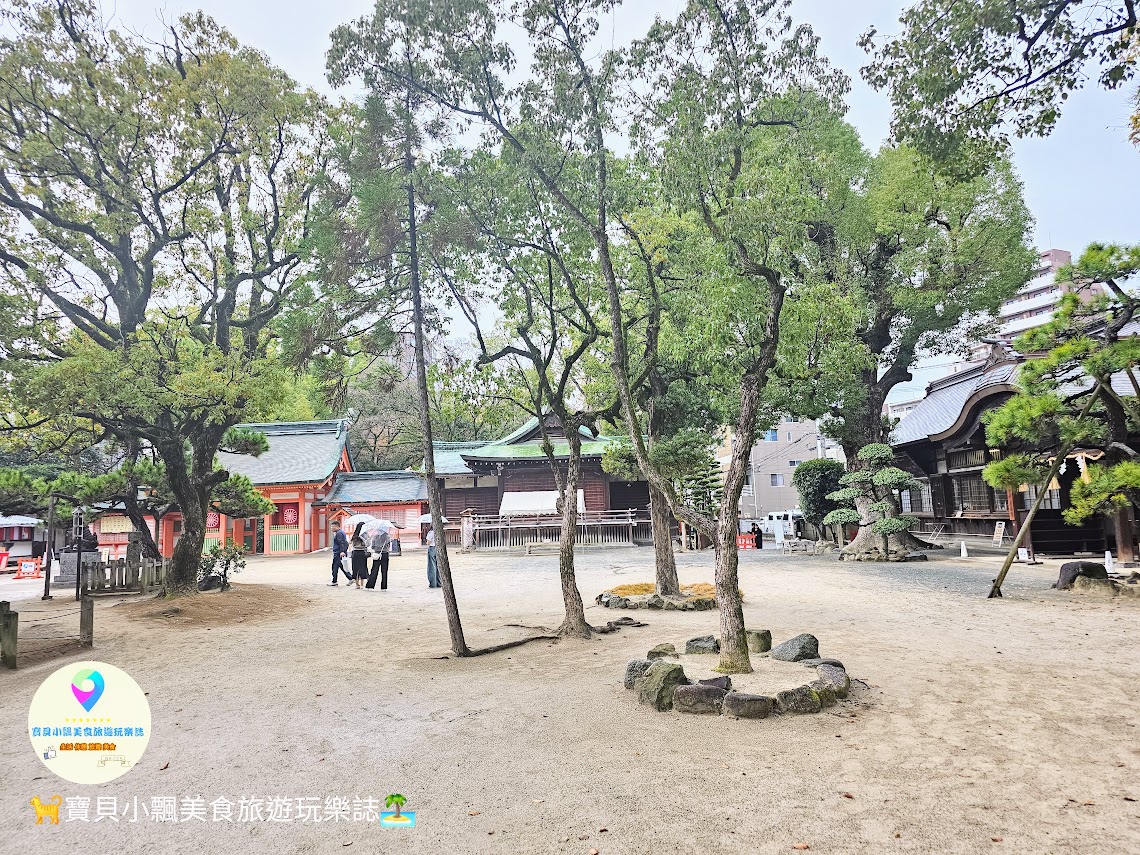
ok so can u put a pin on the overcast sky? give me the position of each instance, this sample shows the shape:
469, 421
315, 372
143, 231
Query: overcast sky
1082, 183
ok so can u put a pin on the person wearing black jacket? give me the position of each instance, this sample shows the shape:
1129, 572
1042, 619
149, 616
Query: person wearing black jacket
381, 547
339, 551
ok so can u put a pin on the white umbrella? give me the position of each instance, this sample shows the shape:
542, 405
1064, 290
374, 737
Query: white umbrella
371, 523
350, 523
426, 518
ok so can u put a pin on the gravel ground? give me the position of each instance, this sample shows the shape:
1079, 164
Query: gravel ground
984, 725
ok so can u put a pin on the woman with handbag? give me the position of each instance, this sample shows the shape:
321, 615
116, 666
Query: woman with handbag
380, 546
359, 557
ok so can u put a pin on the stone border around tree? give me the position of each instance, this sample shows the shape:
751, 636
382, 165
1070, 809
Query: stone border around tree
656, 601
662, 684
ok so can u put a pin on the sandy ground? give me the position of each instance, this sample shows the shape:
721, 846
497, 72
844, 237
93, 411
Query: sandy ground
1011, 719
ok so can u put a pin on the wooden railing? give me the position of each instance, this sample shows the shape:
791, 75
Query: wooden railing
284, 538
115, 577
595, 528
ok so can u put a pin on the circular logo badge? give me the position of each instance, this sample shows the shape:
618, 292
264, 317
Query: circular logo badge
89, 722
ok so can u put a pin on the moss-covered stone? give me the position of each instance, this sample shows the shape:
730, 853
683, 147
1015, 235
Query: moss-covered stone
759, 640
661, 651
835, 679
802, 700
744, 705
698, 698
634, 670
661, 680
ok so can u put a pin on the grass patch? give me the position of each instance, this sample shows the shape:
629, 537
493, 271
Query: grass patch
697, 589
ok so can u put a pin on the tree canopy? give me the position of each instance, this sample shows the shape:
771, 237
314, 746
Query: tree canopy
976, 71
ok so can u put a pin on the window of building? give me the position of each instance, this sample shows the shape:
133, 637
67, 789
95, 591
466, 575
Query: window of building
747, 477
971, 494
917, 501
1051, 502
777, 480
792, 464
966, 458
772, 435
793, 419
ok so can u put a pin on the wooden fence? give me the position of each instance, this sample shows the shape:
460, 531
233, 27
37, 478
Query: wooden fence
44, 632
595, 528
117, 577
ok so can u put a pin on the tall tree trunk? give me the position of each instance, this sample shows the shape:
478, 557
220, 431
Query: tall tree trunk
192, 493
574, 623
734, 657
451, 606
661, 519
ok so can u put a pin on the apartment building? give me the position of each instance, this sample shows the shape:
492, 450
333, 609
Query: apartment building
1037, 300
773, 461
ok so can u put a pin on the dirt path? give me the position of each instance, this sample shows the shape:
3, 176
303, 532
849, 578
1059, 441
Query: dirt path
1011, 719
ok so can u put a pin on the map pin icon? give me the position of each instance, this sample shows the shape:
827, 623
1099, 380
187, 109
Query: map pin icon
87, 697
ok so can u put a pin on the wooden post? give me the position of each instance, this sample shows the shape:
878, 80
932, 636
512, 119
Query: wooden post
50, 547
8, 635
87, 622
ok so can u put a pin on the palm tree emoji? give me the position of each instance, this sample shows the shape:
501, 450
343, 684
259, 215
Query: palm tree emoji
397, 800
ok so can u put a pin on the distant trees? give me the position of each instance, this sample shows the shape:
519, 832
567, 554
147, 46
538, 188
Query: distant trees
467, 403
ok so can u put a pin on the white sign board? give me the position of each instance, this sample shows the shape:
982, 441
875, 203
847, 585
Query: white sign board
999, 533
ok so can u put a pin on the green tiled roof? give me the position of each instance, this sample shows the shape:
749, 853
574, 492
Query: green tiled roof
449, 457
532, 449
299, 452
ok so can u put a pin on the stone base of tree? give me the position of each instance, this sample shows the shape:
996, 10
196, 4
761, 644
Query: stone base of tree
1107, 587
663, 685
656, 601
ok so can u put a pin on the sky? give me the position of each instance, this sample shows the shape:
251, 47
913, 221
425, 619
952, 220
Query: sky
1082, 183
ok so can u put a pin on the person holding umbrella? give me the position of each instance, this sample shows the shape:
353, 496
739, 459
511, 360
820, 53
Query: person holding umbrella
381, 547
359, 556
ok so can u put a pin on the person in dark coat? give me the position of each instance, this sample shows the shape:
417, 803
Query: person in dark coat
758, 534
359, 557
381, 547
339, 553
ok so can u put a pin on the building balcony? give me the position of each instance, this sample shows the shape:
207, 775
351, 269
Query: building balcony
1043, 299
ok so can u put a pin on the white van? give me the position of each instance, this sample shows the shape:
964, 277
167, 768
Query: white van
790, 521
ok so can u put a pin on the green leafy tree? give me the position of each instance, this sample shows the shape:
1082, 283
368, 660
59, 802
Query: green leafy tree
556, 121
815, 481
155, 208
927, 260
1080, 389
137, 487
376, 231
873, 486
552, 332
970, 71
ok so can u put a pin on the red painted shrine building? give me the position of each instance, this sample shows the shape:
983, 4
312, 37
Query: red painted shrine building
308, 474
296, 473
